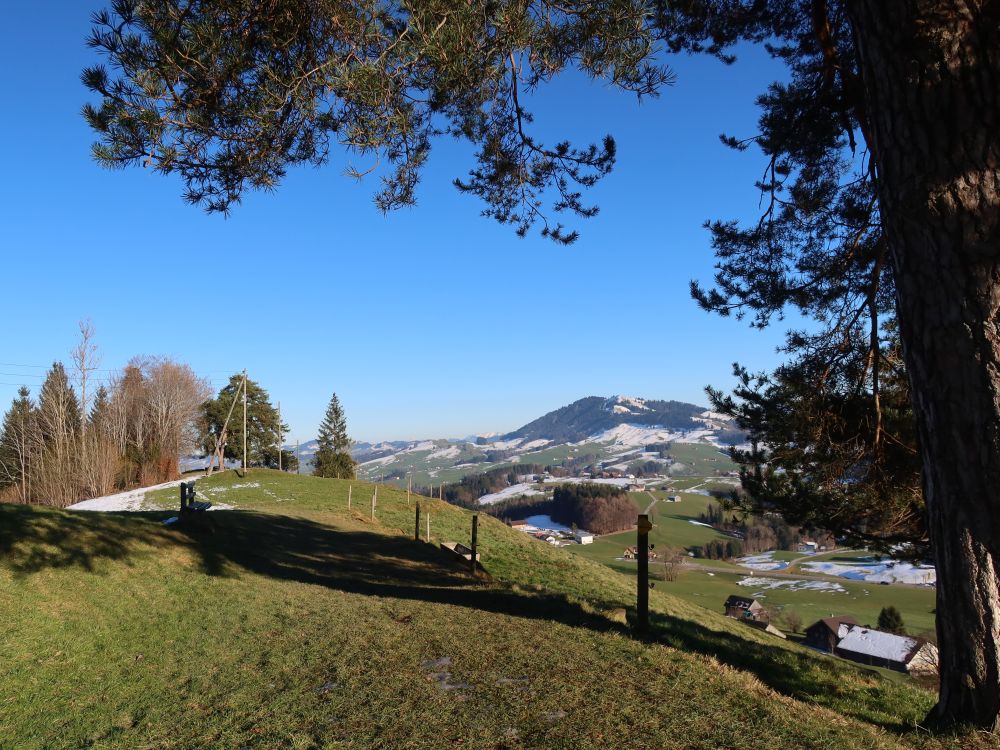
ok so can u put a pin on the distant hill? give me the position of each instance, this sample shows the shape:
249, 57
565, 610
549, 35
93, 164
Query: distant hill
596, 414
612, 431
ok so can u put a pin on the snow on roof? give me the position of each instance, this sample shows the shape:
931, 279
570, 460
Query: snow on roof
878, 644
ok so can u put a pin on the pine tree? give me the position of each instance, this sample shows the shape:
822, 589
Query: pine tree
15, 444
891, 621
262, 423
333, 457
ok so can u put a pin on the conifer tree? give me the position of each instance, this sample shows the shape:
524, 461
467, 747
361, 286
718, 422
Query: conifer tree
16, 444
333, 456
262, 423
891, 621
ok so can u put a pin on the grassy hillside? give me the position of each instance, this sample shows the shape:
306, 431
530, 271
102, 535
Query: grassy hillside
710, 587
297, 623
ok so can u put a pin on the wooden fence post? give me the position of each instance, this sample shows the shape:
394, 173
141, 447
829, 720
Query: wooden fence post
428, 539
374, 495
350, 487
475, 541
409, 481
416, 526
643, 528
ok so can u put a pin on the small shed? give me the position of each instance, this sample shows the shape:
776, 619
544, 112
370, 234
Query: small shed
583, 537
745, 608
825, 634
521, 525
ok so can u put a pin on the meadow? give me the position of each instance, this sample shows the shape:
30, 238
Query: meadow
293, 621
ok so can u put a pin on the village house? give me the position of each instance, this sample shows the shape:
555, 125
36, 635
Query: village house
521, 525
825, 634
632, 552
898, 652
583, 537
746, 609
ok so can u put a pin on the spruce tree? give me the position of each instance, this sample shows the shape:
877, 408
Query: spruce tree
15, 444
891, 621
333, 457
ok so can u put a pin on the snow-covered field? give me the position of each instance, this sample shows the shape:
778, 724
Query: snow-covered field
508, 492
790, 584
763, 561
584, 480
868, 569
451, 451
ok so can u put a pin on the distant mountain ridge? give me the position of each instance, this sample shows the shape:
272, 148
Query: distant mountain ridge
595, 414
611, 430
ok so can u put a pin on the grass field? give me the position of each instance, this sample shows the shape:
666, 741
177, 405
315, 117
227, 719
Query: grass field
672, 528
296, 623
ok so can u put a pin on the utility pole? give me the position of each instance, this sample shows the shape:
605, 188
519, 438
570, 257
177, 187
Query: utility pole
244, 422
279, 436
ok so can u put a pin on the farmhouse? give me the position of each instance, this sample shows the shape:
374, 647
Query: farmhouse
825, 634
632, 552
746, 609
878, 649
673, 498
583, 537
521, 525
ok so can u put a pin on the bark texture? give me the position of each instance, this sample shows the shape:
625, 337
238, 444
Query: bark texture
931, 72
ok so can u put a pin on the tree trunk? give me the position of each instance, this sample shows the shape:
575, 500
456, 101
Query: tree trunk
931, 74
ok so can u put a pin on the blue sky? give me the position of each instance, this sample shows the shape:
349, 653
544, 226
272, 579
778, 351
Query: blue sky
430, 322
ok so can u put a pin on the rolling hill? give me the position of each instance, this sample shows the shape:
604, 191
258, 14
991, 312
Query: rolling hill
613, 431
295, 621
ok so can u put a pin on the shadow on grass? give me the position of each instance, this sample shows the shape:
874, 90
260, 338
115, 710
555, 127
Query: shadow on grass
288, 548
379, 564
856, 693
369, 563
33, 538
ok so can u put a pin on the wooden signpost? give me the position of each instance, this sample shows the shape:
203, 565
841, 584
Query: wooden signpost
643, 527
475, 540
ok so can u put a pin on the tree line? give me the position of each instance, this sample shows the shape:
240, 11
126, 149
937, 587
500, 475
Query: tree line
69, 444
600, 508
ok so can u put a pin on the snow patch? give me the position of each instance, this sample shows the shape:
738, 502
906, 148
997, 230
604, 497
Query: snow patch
790, 584
764, 561
506, 493
121, 501
890, 571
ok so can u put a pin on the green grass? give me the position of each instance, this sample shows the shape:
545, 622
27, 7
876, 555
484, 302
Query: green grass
672, 527
292, 622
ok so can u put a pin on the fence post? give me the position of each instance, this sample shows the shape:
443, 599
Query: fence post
350, 487
643, 528
374, 495
428, 538
475, 541
416, 526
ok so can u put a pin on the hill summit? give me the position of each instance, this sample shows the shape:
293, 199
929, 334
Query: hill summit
594, 415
